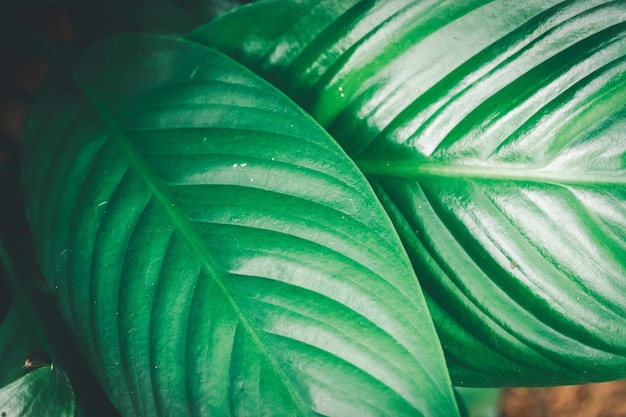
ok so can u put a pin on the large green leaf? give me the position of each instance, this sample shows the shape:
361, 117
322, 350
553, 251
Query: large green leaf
45, 391
494, 134
214, 250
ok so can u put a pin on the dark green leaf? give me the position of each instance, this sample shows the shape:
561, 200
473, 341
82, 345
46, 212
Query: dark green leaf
215, 251
494, 134
16, 340
43, 392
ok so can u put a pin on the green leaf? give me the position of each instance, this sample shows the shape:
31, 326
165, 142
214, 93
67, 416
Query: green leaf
493, 133
45, 391
480, 402
214, 250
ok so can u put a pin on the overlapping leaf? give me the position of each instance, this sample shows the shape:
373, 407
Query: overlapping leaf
493, 133
215, 251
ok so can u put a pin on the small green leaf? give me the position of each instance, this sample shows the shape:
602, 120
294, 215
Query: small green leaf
45, 391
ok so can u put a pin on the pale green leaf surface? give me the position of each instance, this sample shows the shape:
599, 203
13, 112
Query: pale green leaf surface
46, 391
215, 251
493, 133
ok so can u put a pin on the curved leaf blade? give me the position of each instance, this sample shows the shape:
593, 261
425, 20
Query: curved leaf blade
214, 249
43, 392
493, 134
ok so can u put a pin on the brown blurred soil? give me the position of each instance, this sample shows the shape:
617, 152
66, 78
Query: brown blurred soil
606, 399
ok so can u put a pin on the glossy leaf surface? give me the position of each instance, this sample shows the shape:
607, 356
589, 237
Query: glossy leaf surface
494, 134
215, 251
43, 392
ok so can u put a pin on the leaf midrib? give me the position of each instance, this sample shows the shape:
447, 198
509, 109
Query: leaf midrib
158, 190
410, 169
